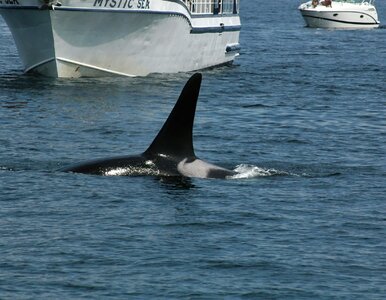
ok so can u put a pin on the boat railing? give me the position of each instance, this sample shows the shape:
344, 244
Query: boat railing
212, 6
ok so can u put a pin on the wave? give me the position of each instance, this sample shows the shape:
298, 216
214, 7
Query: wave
4, 168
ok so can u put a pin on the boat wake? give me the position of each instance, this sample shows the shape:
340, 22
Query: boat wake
245, 171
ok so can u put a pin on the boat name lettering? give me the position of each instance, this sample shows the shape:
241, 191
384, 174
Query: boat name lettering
13, 2
139, 4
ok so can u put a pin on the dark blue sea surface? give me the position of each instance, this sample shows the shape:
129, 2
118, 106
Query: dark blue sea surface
301, 114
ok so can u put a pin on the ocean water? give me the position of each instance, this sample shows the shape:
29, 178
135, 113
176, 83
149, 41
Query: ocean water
300, 114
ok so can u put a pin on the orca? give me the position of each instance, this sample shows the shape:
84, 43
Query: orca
170, 154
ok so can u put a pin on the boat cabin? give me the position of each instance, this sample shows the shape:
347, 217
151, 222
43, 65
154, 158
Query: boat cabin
215, 7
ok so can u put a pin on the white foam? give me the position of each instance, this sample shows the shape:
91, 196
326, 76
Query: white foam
5, 169
118, 172
133, 171
251, 171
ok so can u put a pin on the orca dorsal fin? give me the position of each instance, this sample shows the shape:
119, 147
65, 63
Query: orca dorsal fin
176, 135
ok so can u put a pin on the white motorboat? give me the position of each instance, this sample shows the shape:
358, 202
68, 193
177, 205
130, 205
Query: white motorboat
75, 38
350, 14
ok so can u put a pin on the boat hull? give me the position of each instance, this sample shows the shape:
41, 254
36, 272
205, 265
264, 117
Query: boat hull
339, 16
76, 42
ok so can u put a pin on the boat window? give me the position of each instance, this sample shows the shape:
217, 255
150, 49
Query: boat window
230, 6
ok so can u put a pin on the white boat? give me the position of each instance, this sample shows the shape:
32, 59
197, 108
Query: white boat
345, 14
75, 38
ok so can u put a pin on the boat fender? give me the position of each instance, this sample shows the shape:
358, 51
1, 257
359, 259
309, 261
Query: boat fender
232, 48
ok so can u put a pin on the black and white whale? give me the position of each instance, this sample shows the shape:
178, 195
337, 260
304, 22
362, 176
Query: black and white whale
170, 154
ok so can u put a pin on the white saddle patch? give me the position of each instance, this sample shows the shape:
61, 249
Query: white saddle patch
197, 168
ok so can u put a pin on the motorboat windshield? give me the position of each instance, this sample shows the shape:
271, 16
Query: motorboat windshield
356, 1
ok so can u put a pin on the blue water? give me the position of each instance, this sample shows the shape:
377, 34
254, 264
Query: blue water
301, 114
